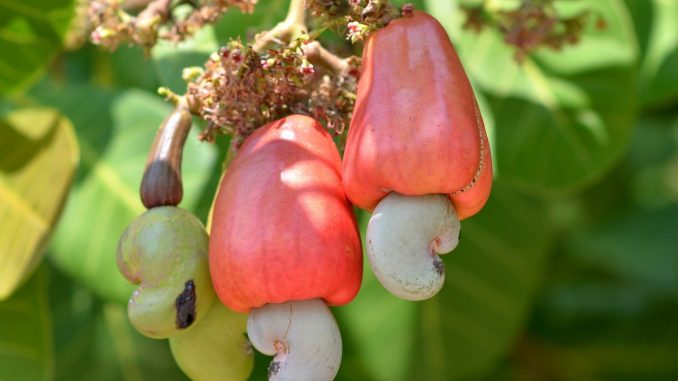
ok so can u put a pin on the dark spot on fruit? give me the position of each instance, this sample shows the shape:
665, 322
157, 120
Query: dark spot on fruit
273, 369
439, 265
185, 306
459, 236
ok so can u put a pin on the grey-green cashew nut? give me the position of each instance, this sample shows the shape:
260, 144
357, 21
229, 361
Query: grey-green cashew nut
302, 335
404, 237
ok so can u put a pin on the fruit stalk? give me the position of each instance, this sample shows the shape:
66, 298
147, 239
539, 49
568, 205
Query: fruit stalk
161, 184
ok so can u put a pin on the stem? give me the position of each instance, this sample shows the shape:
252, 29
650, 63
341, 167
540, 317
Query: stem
159, 8
134, 4
317, 54
161, 183
296, 14
293, 25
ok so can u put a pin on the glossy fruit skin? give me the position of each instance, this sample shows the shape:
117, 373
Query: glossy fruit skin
416, 128
165, 252
282, 228
216, 348
302, 335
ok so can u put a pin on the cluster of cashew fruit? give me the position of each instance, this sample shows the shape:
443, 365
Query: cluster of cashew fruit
165, 252
284, 244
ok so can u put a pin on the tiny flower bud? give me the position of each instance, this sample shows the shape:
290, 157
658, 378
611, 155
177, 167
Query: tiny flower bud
304, 38
306, 68
96, 37
353, 26
267, 63
190, 74
100, 34
214, 58
357, 31
224, 52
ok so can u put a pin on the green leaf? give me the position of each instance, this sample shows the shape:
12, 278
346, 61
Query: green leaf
96, 341
659, 69
652, 156
563, 118
616, 248
169, 59
26, 347
608, 310
115, 131
491, 278
614, 349
31, 32
38, 157
130, 67
234, 24
381, 328
490, 282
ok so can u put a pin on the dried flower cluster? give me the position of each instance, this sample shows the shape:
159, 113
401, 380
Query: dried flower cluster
531, 25
241, 89
356, 18
78, 33
113, 25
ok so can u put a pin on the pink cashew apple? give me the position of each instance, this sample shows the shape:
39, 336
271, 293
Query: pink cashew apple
284, 244
416, 130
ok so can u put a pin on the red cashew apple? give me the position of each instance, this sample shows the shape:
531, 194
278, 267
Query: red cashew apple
284, 234
416, 130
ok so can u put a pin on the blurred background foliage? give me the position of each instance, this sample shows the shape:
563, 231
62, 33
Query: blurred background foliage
569, 273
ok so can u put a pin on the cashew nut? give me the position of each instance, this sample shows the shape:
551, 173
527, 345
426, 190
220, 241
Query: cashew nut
404, 236
302, 335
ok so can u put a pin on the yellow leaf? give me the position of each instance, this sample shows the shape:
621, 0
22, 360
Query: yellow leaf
38, 158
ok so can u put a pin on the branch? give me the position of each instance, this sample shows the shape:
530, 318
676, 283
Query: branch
130, 5
160, 8
293, 25
318, 55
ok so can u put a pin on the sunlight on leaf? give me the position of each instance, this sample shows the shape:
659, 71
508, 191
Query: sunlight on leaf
38, 157
115, 131
659, 70
564, 118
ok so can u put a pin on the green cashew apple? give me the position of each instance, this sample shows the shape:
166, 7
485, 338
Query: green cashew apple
216, 348
165, 252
